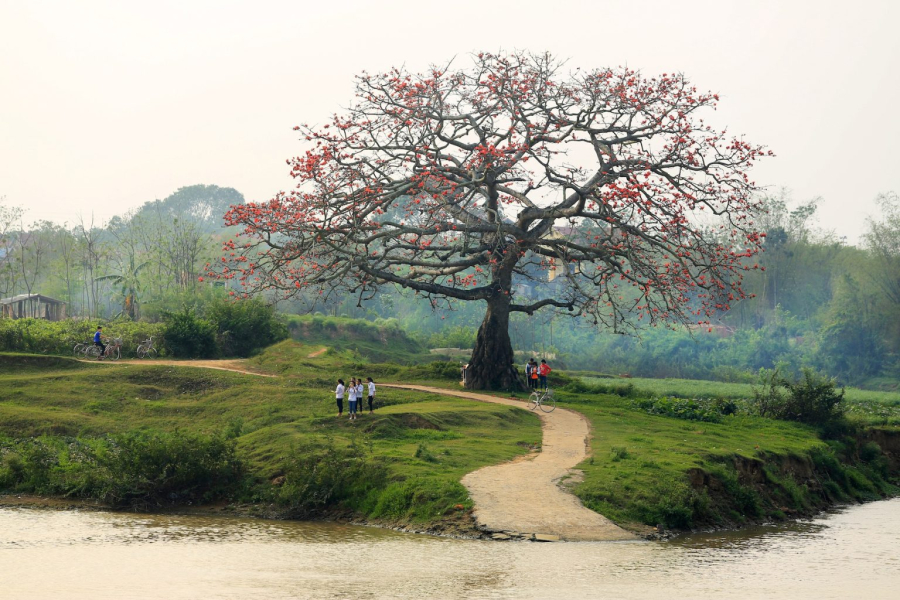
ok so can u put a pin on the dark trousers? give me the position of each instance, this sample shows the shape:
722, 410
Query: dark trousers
340, 403
371, 400
102, 347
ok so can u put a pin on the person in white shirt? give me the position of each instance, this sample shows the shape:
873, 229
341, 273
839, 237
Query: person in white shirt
351, 391
371, 393
339, 396
359, 395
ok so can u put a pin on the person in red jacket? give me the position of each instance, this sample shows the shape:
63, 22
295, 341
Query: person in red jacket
543, 370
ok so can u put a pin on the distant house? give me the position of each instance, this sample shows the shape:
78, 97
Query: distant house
33, 305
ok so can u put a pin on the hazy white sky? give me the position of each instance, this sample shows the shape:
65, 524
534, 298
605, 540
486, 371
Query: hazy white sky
107, 104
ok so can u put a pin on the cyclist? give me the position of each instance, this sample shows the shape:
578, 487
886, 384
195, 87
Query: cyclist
98, 341
543, 370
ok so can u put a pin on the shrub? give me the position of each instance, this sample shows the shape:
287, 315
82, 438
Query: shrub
132, 469
189, 336
695, 409
813, 399
39, 336
325, 476
245, 325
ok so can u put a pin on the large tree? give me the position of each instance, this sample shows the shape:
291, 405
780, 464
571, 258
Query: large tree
470, 184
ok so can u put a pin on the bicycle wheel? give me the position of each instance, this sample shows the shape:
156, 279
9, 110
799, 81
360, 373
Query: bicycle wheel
141, 351
78, 349
548, 402
113, 353
534, 400
151, 352
92, 352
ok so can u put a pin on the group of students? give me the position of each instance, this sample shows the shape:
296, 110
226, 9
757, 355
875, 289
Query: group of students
355, 392
536, 374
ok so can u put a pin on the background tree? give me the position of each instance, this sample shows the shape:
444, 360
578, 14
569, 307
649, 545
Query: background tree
9, 272
883, 242
505, 165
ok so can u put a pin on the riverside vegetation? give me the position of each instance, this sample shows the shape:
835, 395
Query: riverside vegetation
137, 435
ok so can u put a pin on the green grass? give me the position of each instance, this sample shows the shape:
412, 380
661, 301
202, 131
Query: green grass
358, 340
419, 440
866, 406
405, 462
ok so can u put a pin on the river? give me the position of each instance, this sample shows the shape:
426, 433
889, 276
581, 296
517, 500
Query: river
850, 553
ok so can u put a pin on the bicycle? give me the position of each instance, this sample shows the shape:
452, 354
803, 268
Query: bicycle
114, 349
145, 349
79, 347
543, 399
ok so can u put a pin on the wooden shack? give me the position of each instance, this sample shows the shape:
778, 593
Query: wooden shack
35, 306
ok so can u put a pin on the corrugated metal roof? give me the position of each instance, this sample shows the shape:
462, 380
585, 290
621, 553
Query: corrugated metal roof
38, 297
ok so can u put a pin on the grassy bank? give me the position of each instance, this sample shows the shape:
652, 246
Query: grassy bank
81, 430
132, 434
868, 406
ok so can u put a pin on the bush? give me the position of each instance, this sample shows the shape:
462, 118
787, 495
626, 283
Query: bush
245, 326
710, 410
189, 336
39, 336
813, 399
132, 469
325, 476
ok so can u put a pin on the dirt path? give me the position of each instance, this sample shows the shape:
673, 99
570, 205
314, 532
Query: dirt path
523, 497
233, 365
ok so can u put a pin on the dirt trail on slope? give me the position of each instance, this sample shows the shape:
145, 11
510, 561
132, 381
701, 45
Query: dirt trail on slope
523, 496
233, 365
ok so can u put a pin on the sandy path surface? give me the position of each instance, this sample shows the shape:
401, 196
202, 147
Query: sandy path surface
523, 496
234, 365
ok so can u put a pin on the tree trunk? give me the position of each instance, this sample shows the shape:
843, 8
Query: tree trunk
492, 366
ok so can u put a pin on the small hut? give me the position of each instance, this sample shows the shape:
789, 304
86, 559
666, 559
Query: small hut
35, 306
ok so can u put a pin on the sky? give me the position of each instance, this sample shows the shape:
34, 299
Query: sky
105, 105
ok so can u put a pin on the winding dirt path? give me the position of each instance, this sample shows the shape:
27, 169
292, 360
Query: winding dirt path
523, 497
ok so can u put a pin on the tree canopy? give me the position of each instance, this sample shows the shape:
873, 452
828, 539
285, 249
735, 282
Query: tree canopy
466, 184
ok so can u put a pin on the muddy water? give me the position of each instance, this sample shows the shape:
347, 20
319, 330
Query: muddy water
854, 553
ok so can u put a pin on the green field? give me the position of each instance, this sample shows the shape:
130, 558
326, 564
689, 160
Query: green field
131, 432
867, 406
407, 458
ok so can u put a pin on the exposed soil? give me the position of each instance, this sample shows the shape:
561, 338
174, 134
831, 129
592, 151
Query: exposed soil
523, 498
234, 365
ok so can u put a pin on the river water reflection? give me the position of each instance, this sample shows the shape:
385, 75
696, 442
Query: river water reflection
853, 553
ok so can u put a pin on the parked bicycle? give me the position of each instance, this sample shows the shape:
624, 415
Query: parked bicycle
78, 349
146, 349
543, 399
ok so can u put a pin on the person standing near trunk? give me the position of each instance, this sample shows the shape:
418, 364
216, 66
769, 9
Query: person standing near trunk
543, 370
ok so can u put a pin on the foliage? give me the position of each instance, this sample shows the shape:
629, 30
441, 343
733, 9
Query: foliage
324, 476
813, 399
128, 469
188, 335
245, 326
696, 409
58, 337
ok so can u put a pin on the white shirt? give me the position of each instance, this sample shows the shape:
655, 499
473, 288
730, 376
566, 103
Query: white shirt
339, 392
359, 391
372, 388
352, 393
